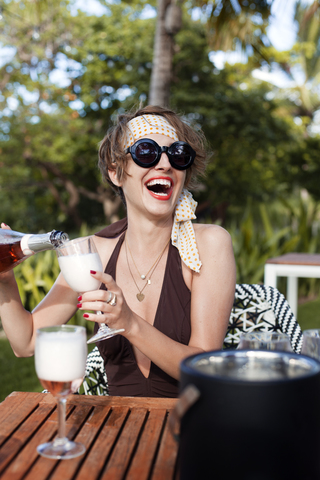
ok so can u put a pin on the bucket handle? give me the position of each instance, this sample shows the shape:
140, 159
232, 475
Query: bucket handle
187, 398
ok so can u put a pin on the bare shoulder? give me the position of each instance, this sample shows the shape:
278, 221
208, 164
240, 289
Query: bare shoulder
209, 235
217, 257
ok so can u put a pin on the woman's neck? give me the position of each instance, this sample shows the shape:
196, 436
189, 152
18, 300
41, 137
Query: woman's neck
148, 236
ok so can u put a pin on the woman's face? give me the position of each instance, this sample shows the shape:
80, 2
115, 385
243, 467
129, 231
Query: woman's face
152, 191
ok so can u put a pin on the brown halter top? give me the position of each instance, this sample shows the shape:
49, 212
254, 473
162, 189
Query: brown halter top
172, 318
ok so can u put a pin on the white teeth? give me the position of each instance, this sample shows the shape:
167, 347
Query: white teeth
159, 181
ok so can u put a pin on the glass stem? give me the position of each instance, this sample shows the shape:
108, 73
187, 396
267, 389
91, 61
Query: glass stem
102, 326
61, 419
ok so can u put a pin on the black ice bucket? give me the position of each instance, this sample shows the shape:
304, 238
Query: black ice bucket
257, 416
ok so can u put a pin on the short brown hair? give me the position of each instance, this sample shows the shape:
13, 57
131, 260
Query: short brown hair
113, 157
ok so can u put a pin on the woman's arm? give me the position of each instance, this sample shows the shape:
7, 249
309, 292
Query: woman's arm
213, 289
20, 326
212, 294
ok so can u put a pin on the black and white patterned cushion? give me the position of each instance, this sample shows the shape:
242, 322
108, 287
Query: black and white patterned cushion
95, 380
255, 308
261, 308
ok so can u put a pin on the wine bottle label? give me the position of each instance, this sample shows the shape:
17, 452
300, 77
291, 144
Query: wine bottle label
24, 245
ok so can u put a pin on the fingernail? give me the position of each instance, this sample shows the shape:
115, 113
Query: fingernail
79, 298
93, 272
4, 224
85, 315
79, 305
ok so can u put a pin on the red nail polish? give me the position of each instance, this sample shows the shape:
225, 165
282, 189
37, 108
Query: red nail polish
79, 298
85, 315
93, 272
79, 305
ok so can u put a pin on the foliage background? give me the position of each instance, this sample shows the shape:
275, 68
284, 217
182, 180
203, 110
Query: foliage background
262, 177
262, 181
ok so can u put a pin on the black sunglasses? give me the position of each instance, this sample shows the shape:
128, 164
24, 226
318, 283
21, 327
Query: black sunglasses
146, 153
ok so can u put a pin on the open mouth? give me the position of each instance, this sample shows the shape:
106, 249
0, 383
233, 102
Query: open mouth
159, 186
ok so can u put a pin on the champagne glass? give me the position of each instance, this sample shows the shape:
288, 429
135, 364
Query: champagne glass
76, 258
311, 343
60, 361
265, 341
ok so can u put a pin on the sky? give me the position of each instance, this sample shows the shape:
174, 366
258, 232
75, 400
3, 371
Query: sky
282, 30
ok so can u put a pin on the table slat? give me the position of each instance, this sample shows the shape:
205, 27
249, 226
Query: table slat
86, 436
101, 449
166, 459
44, 467
296, 259
131, 402
14, 412
19, 438
124, 447
125, 438
26, 458
141, 465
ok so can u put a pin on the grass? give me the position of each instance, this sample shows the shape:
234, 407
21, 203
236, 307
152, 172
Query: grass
18, 374
309, 314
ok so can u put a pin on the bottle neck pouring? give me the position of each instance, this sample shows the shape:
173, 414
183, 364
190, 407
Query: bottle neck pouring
31, 244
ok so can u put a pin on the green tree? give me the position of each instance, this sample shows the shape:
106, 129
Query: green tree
230, 24
52, 133
251, 135
237, 24
53, 142
301, 64
305, 166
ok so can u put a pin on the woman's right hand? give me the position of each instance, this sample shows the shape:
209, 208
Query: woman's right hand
5, 226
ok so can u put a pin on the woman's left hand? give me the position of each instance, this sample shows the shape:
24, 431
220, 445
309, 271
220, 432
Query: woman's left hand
111, 303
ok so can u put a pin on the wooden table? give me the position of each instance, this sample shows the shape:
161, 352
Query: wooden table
125, 438
293, 266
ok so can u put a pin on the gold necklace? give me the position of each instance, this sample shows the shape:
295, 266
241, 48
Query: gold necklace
134, 263
140, 296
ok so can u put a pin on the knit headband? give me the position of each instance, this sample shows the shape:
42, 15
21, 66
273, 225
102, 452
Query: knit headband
147, 124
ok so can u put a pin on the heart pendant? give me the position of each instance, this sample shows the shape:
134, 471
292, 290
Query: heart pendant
140, 297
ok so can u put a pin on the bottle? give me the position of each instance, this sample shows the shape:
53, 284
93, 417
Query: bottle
16, 247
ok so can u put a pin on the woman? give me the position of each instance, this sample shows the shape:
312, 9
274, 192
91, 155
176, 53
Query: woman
168, 283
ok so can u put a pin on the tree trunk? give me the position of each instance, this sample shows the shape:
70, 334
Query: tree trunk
159, 92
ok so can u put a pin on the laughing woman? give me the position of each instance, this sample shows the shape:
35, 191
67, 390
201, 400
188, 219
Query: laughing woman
172, 281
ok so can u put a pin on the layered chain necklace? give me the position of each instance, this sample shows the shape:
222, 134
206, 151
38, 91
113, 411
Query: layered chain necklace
140, 296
